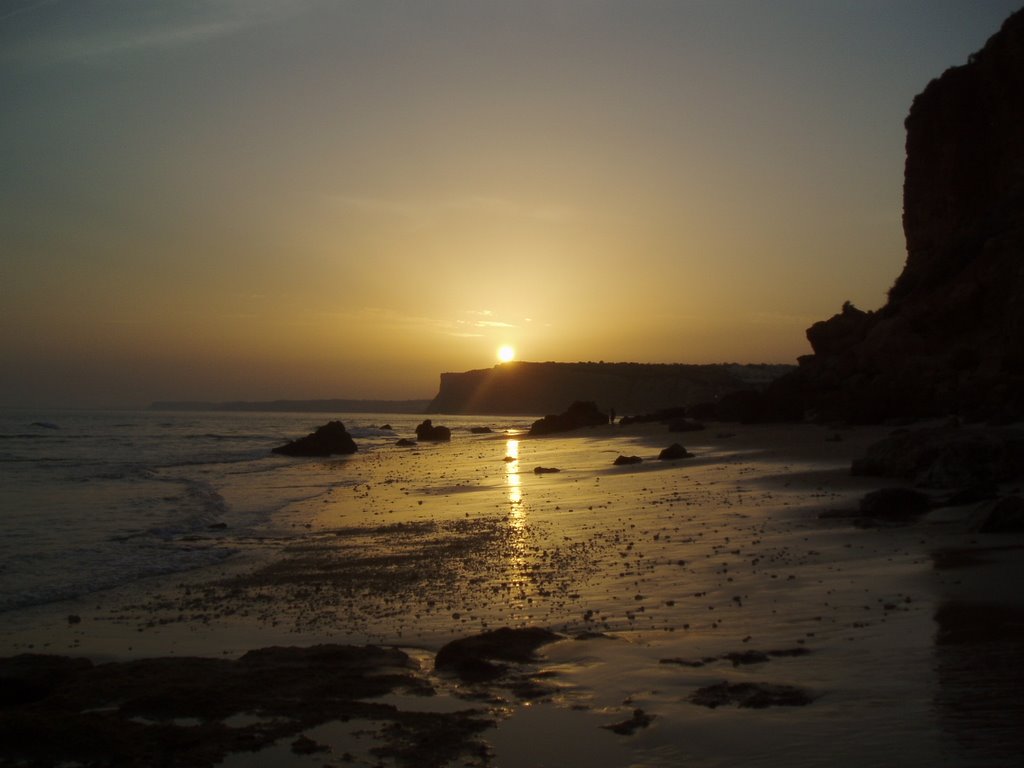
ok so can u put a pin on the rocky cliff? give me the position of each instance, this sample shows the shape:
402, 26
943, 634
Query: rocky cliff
539, 388
950, 339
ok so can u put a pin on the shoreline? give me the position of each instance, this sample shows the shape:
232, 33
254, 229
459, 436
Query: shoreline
723, 553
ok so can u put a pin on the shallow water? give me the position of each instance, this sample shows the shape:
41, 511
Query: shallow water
91, 500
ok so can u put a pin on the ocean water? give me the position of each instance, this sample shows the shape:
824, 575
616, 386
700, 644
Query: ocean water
91, 500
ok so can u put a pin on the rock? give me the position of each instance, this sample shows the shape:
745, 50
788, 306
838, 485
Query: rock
475, 658
950, 338
30, 677
639, 719
624, 460
674, 451
579, 414
947, 457
664, 414
751, 695
427, 432
480, 430
330, 439
545, 470
385, 426
894, 505
1005, 515
685, 425
405, 442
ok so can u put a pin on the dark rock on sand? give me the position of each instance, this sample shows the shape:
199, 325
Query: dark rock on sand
578, 415
1005, 515
674, 451
947, 457
751, 695
405, 442
545, 470
331, 438
624, 460
480, 430
61, 711
663, 415
427, 432
476, 658
894, 506
639, 719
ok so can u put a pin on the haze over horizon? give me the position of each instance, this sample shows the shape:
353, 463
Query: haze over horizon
253, 200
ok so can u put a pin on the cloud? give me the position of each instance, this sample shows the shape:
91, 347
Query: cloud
135, 28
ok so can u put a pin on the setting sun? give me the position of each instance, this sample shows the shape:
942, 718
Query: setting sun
506, 354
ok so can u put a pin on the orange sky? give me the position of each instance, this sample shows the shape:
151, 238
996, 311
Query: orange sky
252, 200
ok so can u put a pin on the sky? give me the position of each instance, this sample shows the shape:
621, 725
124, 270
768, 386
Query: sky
256, 199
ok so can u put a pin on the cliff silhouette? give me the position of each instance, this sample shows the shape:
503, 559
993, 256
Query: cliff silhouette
950, 339
537, 388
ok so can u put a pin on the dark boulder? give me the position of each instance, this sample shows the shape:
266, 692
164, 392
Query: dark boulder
946, 457
405, 442
545, 470
477, 658
428, 433
330, 439
674, 451
663, 414
893, 506
579, 414
625, 460
480, 430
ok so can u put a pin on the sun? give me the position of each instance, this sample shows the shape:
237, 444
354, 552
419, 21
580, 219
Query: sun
506, 354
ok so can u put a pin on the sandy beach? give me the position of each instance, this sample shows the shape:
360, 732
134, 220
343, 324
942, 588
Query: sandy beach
722, 609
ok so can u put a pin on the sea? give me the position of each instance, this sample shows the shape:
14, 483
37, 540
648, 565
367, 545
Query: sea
96, 499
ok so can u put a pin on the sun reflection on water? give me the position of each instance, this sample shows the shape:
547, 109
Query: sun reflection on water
513, 481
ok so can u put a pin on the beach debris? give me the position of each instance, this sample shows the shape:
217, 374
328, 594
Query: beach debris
639, 719
428, 432
331, 438
579, 414
476, 658
893, 506
624, 460
674, 451
751, 695
545, 470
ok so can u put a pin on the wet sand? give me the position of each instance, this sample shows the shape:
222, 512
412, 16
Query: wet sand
684, 591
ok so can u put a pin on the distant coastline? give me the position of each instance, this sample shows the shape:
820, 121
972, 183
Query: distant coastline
299, 406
